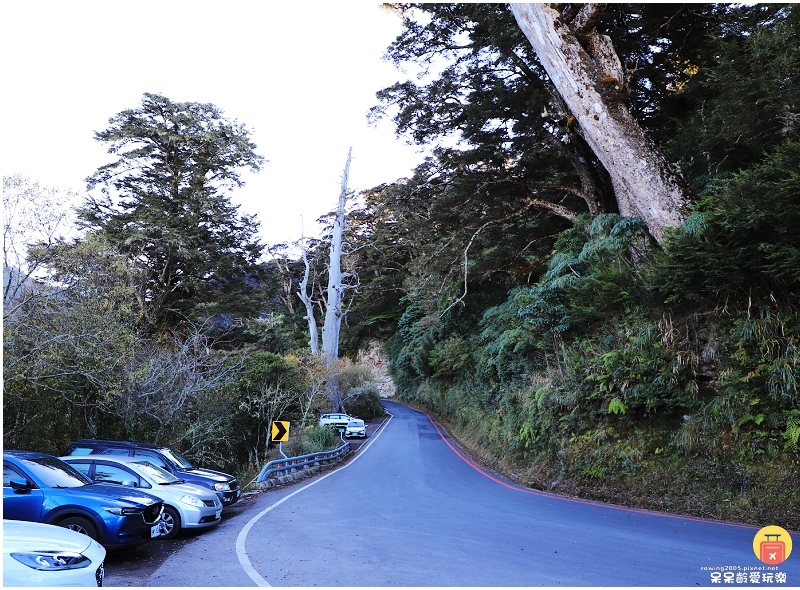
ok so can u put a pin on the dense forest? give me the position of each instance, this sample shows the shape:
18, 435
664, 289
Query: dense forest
566, 335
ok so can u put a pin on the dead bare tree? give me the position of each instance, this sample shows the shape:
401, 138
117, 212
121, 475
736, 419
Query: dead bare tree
313, 334
334, 312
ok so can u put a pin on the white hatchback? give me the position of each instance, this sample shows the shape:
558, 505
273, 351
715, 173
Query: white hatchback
186, 505
36, 554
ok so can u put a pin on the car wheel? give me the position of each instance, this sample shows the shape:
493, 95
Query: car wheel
82, 525
172, 523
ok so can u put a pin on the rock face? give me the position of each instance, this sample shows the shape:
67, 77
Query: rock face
376, 359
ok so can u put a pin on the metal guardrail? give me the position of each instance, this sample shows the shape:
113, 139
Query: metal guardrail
289, 463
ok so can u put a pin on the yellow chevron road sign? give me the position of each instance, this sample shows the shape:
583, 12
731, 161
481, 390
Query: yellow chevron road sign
280, 431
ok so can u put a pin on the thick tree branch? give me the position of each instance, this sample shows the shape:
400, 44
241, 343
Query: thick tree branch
645, 184
554, 208
586, 19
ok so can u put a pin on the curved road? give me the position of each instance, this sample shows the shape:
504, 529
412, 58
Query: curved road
411, 510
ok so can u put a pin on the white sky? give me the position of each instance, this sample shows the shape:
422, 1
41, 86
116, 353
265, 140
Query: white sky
301, 76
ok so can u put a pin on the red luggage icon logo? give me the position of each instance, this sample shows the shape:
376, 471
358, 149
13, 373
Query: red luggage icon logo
773, 550
772, 545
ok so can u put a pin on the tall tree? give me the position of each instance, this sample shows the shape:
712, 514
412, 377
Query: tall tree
588, 73
334, 293
507, 171
334, 312
163, 203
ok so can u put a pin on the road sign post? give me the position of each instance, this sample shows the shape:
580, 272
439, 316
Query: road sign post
280, 434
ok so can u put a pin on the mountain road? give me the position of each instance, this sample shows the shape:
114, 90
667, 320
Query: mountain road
411, 509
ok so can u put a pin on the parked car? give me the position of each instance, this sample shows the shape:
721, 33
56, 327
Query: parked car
186, 505
42, 488
335, 420
226, 486
356, 428
36, 554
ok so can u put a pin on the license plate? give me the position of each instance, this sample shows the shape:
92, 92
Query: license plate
155, 531
219, 514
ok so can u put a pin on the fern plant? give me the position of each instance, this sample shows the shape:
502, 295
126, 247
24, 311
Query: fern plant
792, 433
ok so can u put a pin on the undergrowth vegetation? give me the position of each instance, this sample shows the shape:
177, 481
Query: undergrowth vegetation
663, 379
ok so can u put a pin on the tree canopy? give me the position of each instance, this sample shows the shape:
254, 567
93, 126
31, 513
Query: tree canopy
162, 202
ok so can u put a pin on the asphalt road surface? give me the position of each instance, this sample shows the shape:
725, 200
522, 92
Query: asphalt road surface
411, 510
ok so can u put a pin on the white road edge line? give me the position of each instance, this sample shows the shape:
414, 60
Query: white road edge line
241, 553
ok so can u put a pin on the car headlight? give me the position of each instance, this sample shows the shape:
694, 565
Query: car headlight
52, 560
120, 511
222, 487
192, 501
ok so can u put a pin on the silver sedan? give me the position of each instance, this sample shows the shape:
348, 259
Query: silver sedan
186, 506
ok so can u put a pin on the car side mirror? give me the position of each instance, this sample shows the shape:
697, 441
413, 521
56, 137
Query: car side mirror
130, 483
20, 486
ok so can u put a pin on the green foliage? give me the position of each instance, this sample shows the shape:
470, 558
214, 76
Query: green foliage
67, 352
508, 342
267, 368
740, 93
364, 401
792, 433
589, 276
353, 375
163, 205
320, 438
617, 406
757, 394
451, 358
411, 347
268, 388
747, 244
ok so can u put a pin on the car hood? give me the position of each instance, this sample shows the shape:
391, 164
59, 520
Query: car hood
209, 474
19, 536
176, 490
106, 492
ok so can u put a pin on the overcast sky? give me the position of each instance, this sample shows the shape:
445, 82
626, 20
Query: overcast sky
301, 76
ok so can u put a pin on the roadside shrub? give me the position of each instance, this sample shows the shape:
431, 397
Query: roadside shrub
364, 402
320, 438
352, 375
294, 447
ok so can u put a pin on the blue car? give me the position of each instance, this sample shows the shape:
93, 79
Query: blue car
42, 488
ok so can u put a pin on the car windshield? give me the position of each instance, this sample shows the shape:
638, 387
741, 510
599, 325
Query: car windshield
54, 473
356, 423
154, 474
176, 458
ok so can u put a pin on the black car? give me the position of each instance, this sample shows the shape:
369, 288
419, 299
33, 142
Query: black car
226, 486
